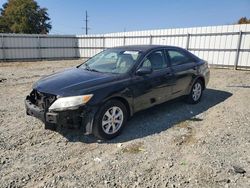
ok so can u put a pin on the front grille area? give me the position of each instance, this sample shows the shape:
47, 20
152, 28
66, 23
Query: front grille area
42, 100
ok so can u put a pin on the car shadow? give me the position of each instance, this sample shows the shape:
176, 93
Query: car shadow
156, 119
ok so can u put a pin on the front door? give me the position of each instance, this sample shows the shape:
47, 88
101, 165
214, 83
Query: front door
156, 87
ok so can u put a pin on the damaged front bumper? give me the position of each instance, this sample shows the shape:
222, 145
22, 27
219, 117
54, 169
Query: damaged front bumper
81, 118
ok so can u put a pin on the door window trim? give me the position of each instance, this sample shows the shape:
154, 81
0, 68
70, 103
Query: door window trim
165, 58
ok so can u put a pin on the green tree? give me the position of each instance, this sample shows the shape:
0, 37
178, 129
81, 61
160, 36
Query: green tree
24, 16
243, 20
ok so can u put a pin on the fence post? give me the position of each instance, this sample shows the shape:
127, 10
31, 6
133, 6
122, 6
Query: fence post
39, 47
150, 39
3, 49
238, 51
103, 42
187, 44
124, 40
77, 53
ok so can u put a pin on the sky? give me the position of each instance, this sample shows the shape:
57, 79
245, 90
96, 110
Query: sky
106, 16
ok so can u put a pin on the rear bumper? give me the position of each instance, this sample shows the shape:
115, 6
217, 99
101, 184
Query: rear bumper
207, 77
81, 118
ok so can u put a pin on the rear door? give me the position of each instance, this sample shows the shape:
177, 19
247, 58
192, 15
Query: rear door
153, 88
184, 68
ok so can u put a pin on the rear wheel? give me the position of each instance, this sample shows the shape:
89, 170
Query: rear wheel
110, 120
195, 93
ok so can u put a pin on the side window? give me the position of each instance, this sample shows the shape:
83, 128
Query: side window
155, 60
178, 58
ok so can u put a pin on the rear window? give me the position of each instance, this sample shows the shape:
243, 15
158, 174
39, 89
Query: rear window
178, 58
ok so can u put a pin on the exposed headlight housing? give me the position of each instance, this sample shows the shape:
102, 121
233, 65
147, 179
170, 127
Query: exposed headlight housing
70, 102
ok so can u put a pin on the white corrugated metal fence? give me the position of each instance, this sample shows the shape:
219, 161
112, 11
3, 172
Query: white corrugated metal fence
227, 45
28, 47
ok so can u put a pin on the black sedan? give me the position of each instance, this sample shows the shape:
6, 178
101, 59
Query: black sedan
100, 95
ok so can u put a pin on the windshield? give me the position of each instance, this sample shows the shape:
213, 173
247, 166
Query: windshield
112, 61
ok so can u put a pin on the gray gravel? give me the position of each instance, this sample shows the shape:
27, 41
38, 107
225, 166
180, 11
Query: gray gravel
170, 145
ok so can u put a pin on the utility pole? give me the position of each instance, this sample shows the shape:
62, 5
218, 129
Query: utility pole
86, 23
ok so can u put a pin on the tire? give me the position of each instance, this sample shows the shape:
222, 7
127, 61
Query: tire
107, 123
196, 92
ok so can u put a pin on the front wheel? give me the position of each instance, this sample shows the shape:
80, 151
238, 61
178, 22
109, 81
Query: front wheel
110, 119
196, 93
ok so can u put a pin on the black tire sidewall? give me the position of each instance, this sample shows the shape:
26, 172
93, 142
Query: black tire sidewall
97, 126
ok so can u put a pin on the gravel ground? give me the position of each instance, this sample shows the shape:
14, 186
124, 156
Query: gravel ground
170, 145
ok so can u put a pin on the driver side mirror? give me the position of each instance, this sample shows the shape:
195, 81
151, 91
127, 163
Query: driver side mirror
144, 71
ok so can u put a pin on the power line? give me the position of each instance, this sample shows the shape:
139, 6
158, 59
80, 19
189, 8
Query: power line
86, 23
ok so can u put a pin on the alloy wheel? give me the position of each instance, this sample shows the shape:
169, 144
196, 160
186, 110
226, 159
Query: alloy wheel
112, 120
196, 93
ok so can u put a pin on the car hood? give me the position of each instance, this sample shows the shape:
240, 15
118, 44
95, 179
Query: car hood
72, 81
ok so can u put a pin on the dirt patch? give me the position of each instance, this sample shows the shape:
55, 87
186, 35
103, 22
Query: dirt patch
186, 135
134, 148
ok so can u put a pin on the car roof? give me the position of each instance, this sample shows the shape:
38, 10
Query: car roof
143, 48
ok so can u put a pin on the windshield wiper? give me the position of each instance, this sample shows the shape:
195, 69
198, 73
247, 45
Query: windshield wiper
94, 70
89, 69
